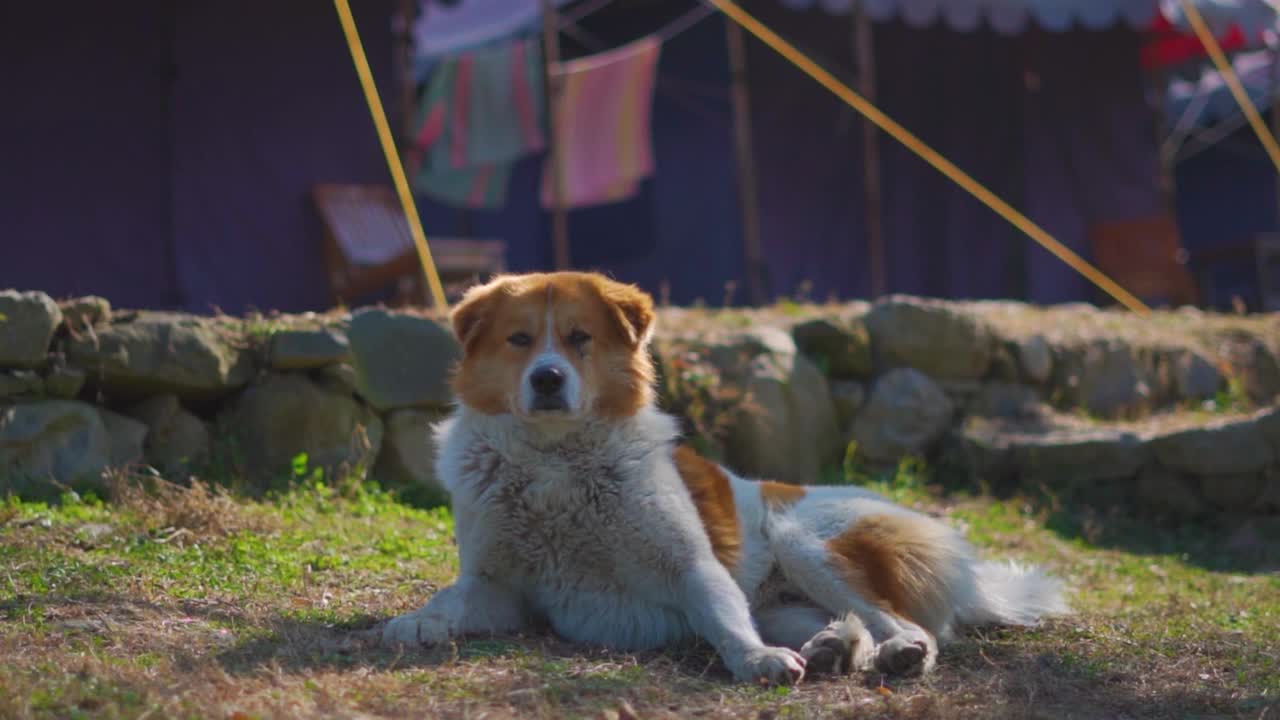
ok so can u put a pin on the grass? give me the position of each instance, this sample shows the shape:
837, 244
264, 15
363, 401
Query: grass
172, 602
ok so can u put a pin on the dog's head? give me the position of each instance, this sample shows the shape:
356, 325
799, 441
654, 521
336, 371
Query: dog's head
556, 346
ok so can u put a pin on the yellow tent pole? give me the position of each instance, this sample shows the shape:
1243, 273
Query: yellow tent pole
928, 154
1233, 83
389, 150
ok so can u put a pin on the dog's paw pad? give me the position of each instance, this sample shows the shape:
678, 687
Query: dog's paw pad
828, 652
904, 655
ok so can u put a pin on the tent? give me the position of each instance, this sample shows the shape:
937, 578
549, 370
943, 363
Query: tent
160, 154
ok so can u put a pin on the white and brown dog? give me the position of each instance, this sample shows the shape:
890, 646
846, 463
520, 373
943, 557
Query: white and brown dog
575, 504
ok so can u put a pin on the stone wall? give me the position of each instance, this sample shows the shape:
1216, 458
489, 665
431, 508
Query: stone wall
1173, 413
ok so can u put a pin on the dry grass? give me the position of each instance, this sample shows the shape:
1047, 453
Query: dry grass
264, 610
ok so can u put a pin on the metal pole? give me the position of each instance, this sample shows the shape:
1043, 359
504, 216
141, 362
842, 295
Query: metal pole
862, 44
752, 249
551, 61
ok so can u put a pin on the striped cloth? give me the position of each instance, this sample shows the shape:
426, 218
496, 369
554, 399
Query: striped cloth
603, 133
480, 112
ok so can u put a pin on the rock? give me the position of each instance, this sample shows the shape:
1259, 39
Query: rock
176, 439
1165, 491
19, 383
402, 361
64, 383
1052, 451
1234, 492
1224, 447
159, 353
1254, 364
341, 378
785, 428
906, 414
127, 437
1269, 499
1195, 378
308, 349
1035, 357
79, 313
283, 416
840, 347
1004, 400
407, 460
848, 397
28, 321
51, 441
1104, 377
930, 336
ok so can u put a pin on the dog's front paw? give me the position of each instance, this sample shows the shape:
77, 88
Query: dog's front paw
416, 628
907, 654
772, 665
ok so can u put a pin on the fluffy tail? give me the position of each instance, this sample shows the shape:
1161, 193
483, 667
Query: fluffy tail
1012, 594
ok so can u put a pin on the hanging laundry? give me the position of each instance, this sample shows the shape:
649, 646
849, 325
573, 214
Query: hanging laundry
603, 130
480, 112
444, 28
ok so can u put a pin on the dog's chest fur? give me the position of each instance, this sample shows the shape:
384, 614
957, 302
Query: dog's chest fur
570, 525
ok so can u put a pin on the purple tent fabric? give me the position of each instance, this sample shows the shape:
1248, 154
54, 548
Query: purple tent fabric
162, 156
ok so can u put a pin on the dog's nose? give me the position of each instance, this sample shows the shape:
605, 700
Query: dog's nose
547, 380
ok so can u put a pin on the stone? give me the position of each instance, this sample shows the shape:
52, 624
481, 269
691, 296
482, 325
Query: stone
28, 321
156, 353
930, 336
1035, 357
785, 426
906, 414
19, 383
126, 437
1235, 492
176, 439
407, 460
1254, 363
79, 313
1004, 400
341, 378
1269, 499
1169, 492
841, 347
64, 382
308, 349
1195, 377
1231, 446
1051, 450
283, 416
51, 441
848, 396
1104, 377
402, 361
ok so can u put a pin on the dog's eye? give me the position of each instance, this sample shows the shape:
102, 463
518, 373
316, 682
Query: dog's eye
578, 338
520, 339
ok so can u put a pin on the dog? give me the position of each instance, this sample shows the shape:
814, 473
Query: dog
576, 506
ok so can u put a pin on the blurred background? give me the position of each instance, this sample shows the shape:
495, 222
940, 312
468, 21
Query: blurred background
205, 156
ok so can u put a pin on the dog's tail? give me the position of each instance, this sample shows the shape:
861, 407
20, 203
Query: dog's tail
1012, 594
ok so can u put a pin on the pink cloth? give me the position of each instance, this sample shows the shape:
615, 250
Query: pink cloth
603, 134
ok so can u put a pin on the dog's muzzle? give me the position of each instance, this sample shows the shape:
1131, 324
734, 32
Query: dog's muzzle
548, 384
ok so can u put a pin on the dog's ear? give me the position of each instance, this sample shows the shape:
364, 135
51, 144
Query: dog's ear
468, 315
631, 308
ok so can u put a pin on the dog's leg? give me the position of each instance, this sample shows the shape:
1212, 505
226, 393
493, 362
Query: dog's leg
902, 646
828, 645
717, 611
471, 606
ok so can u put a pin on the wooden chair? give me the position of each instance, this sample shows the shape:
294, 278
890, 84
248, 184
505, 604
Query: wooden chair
1145, 256
368, 247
